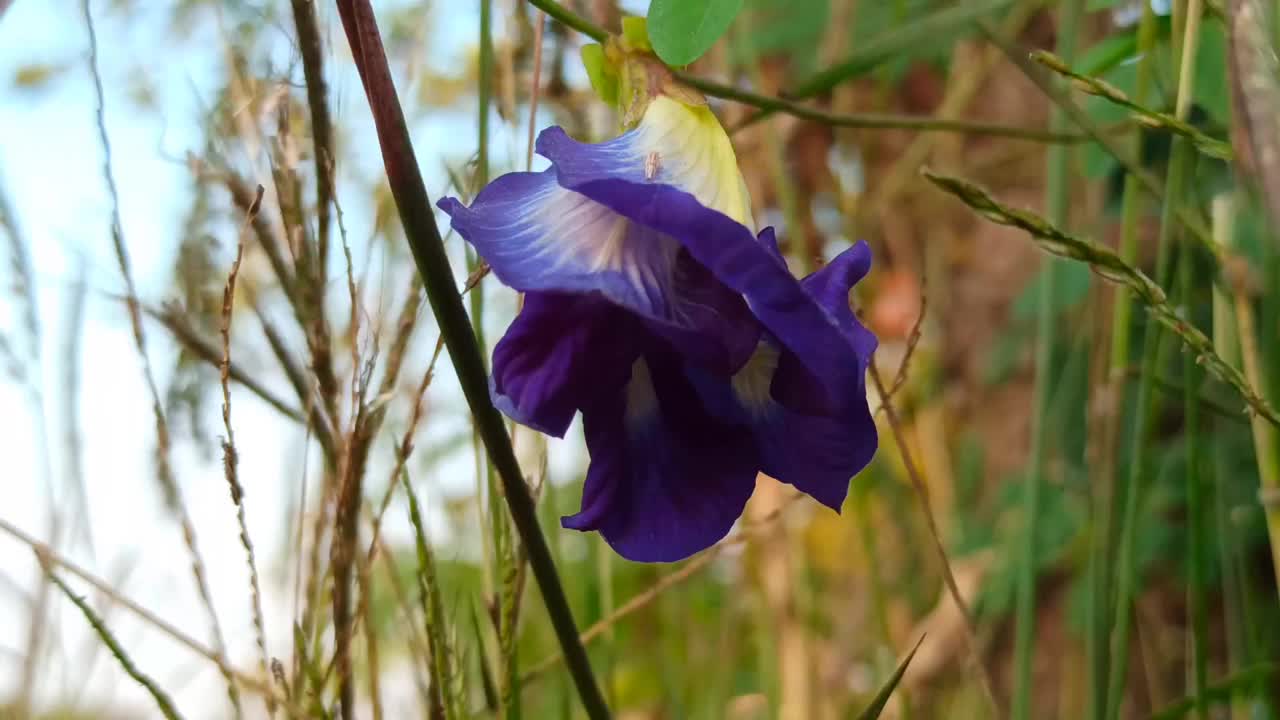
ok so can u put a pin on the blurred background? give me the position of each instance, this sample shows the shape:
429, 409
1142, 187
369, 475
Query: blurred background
1095, 491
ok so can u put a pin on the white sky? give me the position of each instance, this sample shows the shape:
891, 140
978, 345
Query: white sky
50, 165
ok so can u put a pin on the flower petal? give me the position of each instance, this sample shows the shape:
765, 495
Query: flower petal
794, 384
711, 325
675, 144
666, 480
818, 454
537, 235
736, 258
811, 437
561, 351
830, 286
816, 448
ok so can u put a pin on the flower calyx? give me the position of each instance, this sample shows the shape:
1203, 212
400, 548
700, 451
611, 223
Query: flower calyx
626, 74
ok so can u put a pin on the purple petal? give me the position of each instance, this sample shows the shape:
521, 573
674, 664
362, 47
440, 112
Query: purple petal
674, 144
794, 384
561, 351
711, 325
819, 433
666, 479
830, 286
818, 454
817, 448
537, 236
734, 256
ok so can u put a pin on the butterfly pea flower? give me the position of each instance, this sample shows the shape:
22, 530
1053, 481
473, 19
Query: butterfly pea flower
696, 358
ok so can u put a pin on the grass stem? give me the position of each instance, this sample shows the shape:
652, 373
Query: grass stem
1057, 204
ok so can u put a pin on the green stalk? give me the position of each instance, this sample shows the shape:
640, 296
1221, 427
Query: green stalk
504, 554
163, 702
562, 697
1107, 499
1179, 168
1224, 340
1191, 380
1138, 469
485, 486
1264, 434
1133, 205
1057, 199
427, 246
486, 88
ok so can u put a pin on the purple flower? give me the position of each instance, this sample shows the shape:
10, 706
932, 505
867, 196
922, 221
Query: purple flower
695, 357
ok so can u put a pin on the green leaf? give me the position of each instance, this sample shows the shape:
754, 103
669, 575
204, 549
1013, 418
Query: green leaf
682, 30
877, 705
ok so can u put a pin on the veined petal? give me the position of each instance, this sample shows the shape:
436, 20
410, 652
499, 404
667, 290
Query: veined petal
816, 450
540, 237
666, 479
818, 454
675, 144
537, 236
811, 432
830, 286
818, 338
710, 324
561, 351
795, 385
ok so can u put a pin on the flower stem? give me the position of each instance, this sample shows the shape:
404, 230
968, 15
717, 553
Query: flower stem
427, 247
568, 18
1057, 194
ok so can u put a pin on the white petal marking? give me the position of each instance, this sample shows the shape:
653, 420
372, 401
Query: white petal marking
642, 401
577, 229
751, 383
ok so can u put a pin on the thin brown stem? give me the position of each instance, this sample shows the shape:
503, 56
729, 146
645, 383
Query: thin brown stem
231, 458
922, 492
311, 48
